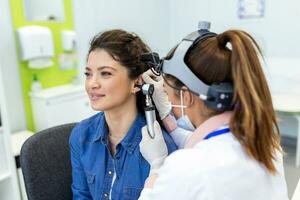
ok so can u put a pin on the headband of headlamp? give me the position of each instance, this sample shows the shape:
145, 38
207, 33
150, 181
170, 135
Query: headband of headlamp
176, 65
216, 96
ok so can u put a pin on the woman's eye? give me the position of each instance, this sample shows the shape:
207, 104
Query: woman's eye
87, 74
105, 73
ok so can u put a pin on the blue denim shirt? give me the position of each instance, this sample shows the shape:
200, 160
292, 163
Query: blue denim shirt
93, 167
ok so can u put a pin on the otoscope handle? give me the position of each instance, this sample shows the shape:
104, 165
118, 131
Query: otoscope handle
150, 118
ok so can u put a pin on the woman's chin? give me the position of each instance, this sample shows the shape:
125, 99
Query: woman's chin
98, 107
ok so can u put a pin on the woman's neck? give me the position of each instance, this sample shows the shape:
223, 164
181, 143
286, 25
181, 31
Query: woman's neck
120, 119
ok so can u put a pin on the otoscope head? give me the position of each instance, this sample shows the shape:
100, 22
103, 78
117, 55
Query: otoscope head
147, 89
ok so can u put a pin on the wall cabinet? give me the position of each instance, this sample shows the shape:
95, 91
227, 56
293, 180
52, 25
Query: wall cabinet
59, 105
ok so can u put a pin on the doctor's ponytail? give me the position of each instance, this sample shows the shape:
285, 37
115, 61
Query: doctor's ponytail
254, 122
234, 56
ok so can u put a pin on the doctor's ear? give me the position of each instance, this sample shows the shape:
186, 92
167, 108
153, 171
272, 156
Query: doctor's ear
187, 96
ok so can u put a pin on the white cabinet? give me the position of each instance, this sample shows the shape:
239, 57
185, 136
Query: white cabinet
59, 105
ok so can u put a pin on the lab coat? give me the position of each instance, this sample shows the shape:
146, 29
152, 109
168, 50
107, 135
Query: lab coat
217, 169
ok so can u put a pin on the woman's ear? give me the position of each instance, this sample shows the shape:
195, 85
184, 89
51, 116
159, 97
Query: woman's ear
138, 81
187, 96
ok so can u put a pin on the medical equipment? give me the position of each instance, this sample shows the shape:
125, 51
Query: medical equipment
217, 96
154, 62
148, 90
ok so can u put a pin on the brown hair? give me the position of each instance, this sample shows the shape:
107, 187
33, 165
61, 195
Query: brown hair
126, 48
123, 47
235, 56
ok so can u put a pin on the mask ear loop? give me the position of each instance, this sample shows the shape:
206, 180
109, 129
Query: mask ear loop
181, 103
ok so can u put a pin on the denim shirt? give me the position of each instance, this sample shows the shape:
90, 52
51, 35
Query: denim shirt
93, 167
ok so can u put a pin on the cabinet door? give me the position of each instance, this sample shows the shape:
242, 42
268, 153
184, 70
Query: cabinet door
61, 110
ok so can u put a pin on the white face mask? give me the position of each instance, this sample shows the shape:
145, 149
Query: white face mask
184, 121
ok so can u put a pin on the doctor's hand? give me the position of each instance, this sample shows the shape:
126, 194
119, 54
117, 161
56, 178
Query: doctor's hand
159, 96
153, 150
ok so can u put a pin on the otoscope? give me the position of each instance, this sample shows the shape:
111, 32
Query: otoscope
149, 108
148, 90
154, 62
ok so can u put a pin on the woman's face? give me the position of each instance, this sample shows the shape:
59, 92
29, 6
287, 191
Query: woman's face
107, 83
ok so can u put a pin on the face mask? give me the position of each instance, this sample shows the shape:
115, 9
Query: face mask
184, 121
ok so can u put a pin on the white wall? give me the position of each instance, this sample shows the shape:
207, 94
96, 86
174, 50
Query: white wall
278, 32
84, 22
149, 19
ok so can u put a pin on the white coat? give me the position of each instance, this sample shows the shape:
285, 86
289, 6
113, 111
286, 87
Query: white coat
216, 169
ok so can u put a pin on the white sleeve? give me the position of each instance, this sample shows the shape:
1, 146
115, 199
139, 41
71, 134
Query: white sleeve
180, 136
174, 181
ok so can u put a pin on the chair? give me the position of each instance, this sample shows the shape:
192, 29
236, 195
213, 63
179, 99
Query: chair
296, 195
46, 165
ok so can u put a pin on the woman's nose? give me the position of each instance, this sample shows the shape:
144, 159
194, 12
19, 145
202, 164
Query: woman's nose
93, 82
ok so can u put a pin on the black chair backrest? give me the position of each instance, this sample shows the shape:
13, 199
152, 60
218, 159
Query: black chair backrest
46, 165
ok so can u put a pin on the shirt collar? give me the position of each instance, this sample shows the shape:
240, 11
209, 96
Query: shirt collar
101, 129
132, 137
134, 134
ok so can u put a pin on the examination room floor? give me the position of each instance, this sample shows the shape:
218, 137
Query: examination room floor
292, 174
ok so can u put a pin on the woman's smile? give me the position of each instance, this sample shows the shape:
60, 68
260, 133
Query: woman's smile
96, 96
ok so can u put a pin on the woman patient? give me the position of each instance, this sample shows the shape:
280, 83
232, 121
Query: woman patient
105, 154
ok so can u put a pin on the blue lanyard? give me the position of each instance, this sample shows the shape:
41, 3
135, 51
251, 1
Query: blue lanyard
216, 133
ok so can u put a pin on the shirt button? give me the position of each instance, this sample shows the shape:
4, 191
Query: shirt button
109, 172
105, 195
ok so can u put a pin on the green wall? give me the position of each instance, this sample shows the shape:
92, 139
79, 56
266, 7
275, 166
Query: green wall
49, 77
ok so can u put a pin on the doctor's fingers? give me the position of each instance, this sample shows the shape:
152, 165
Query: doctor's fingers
149, 77
145, 135
157, 130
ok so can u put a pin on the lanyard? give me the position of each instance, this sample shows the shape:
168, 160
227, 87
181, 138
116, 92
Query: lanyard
216, 133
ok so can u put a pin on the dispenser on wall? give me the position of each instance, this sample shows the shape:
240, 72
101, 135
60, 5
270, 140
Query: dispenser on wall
36, 46
68, 40
68, 59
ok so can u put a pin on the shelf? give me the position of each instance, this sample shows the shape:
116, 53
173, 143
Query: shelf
4, 175
18, 139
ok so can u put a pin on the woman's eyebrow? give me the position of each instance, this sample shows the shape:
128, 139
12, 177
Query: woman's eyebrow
104, 67
100, 68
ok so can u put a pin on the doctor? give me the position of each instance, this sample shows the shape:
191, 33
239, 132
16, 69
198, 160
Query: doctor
215, 83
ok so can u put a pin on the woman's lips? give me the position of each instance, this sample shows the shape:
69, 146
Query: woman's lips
95, 97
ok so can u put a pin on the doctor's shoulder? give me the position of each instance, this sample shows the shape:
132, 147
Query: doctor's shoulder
85, 129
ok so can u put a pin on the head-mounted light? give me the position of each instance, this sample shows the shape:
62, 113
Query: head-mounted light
177, 67
217, 96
